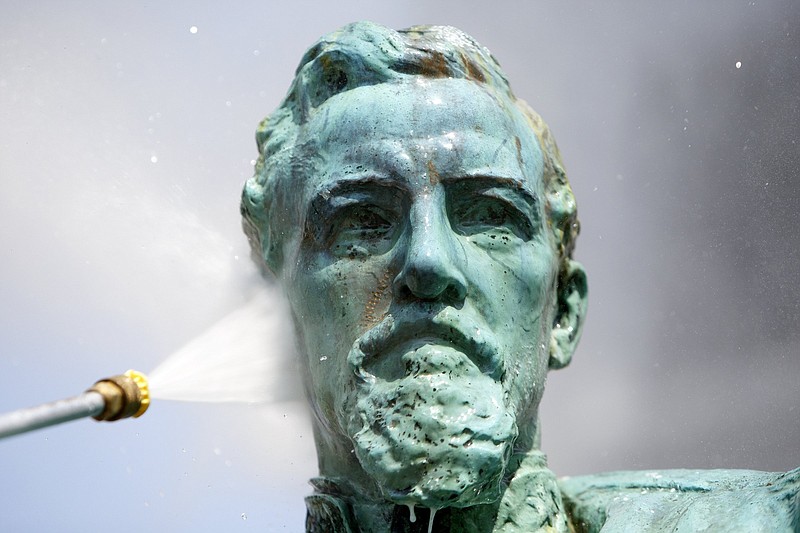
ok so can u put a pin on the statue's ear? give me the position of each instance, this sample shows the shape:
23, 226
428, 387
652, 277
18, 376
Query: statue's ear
570, 313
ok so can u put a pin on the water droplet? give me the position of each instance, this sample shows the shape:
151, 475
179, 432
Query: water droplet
217, 451
244, 516
256, 52
323, 358
193, 29
738, 64
412, 517
153, 159
228, 103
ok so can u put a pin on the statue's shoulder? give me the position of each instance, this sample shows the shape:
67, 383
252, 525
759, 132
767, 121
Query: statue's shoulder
684, 500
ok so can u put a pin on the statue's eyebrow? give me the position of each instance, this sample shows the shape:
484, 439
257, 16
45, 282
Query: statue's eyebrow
361, 185
482, 182
371, 188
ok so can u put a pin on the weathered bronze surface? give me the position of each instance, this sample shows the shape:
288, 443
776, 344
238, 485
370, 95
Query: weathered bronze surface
421, 223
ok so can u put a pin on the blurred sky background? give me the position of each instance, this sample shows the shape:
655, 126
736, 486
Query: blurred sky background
125, 139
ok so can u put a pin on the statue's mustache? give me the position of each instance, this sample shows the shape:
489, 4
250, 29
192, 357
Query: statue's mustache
410, 328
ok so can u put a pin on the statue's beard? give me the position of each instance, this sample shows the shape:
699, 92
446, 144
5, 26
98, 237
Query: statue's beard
438, 436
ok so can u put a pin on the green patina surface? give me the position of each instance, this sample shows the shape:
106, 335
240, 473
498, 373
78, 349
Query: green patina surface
420, 221
684, 501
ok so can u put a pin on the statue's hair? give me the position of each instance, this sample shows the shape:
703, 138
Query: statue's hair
361, 54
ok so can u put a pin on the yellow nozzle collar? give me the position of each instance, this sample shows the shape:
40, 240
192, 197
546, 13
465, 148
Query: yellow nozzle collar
144, 390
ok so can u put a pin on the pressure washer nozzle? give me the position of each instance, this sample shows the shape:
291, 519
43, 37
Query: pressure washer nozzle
126, 395
114, 398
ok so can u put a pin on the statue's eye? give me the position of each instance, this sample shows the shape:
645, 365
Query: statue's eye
361, 230
486, 215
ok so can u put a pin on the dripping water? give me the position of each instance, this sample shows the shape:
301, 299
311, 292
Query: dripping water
430, 520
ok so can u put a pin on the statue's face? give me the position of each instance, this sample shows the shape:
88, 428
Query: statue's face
422, 284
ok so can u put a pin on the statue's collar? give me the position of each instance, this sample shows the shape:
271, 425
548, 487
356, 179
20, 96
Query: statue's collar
531, 502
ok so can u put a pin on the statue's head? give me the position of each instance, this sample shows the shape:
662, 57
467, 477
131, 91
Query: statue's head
420, 221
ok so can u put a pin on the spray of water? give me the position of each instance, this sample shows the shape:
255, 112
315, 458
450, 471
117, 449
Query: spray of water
245, 357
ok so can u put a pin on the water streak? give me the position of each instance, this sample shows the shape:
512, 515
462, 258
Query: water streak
430, 520
412, 517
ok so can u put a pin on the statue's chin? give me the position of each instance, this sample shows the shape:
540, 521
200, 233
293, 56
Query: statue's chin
462, 478
433, 439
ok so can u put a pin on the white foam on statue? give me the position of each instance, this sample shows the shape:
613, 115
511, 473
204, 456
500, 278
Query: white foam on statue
247, 356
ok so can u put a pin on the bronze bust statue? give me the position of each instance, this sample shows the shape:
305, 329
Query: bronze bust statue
421, 223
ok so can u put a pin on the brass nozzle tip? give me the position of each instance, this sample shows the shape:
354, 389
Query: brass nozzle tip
126, 395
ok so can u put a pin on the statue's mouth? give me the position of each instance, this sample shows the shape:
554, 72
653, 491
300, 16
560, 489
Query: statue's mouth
399, 334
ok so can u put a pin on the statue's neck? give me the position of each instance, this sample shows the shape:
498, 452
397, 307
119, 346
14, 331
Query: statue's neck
530, 502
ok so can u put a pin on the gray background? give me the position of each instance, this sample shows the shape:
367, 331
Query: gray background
686, 173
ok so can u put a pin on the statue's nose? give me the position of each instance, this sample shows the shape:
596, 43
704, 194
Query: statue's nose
434, 260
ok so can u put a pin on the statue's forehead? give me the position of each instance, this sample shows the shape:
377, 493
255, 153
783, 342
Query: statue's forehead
456, 126
414, 108
450, 155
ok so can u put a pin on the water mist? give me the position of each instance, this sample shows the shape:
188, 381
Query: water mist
244, 357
